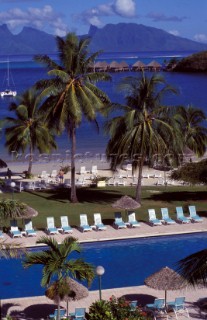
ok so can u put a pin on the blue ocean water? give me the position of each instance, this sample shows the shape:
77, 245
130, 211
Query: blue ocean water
25, 72
126, 263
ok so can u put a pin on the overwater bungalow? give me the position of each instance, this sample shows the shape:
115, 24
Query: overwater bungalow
124, 66
138, 66
114, 66
101, 66
154, 66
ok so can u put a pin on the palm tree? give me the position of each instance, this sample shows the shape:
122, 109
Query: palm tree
28, 128
56, 263
71, 93
141, 131
194, 268
191, 121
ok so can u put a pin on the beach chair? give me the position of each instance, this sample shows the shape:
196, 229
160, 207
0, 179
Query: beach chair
51, 229
178, 306
118, 222
158, 305
84, 226
132, 219
1, 234
79, 314
83, 170
54, 173
14, 230
55, 314
94, 170
98, 222
165, 216
180, 215
44, 175
65, 227
28, 229
153, 219
193, 214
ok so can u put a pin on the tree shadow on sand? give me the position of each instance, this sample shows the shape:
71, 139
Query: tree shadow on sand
5, 308
36, 311
142, 299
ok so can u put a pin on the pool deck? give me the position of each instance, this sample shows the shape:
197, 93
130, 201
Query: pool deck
40, 307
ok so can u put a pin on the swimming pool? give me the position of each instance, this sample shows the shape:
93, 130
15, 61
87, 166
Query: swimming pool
126, 263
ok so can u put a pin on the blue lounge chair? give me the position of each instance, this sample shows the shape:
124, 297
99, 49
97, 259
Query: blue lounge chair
118, 222
51, 229
65, 227
14, 230
153, 219
29, 230
158, 305
1, 234
133, 305
180, 215
132, 219
54, 315
193, 214
165, 216
78, 314
178, 306
98, 222
84, 226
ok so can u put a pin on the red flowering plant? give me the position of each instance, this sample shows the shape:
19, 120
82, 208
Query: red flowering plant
122, 309
115, 309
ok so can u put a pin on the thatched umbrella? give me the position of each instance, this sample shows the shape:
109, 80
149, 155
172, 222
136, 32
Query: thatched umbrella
165, 279
67, 290
126, 203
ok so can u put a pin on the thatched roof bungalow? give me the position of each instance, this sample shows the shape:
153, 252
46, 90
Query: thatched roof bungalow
124, 66
138, 66
114, 66
101, 66
154, 66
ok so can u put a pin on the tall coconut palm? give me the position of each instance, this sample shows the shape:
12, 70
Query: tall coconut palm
192, 123
73, 94
141, 131
28, 130
56, 262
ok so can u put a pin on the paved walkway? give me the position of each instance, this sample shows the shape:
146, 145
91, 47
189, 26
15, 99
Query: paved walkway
40, 307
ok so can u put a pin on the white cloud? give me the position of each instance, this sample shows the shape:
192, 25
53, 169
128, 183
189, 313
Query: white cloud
123, 8
174, 32
42, 18
200, 38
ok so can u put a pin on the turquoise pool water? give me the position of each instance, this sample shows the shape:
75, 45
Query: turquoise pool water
126, 263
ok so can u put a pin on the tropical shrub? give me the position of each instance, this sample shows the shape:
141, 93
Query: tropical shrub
100, 310
192, 172
115, 309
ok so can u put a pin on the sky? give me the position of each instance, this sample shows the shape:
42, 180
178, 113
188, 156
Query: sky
184, 18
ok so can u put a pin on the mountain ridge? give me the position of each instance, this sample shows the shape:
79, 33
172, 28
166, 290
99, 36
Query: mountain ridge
121, 37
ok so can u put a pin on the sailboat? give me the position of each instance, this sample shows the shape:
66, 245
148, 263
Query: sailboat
8, 92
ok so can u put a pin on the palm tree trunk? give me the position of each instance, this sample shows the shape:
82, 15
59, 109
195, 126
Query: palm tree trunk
73, 196
30, 159
139, 182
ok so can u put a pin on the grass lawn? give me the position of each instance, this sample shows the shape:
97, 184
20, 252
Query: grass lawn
91, 200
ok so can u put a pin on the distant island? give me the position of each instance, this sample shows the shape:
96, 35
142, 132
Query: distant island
121, 37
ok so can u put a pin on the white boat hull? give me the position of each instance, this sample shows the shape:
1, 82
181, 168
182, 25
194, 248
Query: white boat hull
8, 93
